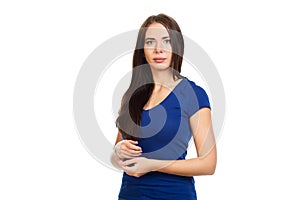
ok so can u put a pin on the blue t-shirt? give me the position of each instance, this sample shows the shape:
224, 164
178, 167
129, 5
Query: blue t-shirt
165, 134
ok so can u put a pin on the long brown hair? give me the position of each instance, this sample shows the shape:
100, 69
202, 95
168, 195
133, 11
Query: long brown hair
141, 86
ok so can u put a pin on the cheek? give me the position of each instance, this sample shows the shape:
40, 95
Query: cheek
147, 54
170, 57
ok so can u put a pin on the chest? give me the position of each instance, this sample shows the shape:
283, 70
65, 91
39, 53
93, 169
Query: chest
156, 98
164, 125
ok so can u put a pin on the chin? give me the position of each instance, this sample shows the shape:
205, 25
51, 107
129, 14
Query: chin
158, 66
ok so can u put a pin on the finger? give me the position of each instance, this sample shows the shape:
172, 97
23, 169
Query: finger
133, 147
129, 155
134, 152
129, 162
133, 141
127, 170
124, 168
130, 152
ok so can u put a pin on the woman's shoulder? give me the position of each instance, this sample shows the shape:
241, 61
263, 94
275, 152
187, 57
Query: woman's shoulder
190, 84
195, 96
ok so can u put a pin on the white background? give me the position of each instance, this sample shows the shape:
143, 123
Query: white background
254, 45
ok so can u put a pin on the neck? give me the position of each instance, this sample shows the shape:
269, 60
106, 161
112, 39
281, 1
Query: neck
164, 77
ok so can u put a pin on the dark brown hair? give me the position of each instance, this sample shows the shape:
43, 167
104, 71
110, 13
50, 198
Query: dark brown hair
141, 86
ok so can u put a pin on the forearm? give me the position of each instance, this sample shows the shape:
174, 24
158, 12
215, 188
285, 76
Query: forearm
124, 150
189, 167
115, 160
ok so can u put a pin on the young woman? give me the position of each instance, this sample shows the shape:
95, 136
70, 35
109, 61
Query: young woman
160, 112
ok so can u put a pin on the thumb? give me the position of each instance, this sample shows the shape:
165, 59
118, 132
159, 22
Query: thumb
129, 162
133, 142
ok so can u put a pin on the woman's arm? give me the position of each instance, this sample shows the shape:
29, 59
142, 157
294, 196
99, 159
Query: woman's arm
204, 140
204, 164
124, 149
114, 158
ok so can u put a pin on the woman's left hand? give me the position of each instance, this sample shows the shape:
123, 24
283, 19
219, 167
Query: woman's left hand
140, 166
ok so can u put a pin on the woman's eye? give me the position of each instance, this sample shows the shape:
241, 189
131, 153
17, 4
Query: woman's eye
168, 41
149, 42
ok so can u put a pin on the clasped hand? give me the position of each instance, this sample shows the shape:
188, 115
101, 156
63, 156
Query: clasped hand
133, 165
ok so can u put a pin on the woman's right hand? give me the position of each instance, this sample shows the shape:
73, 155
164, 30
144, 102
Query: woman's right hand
127, 149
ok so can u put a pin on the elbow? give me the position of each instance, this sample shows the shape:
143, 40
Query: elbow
211, 168
211, 171
206, 171
211, 163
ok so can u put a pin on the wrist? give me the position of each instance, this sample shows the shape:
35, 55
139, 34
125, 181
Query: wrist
158, 165
116, 150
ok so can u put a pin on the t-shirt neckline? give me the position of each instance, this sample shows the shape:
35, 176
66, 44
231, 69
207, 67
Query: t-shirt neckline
172, 91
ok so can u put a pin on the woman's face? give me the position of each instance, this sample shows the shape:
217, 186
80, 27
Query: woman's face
157, 47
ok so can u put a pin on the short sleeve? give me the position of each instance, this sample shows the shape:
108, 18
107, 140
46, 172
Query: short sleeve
198, 99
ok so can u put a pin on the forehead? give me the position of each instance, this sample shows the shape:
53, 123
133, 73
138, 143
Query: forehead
156, 30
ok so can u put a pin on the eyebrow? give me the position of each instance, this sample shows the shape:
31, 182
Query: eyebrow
149, 38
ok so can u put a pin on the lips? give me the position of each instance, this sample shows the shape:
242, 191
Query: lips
159, 60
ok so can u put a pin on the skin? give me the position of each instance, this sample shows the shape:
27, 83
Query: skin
157, 46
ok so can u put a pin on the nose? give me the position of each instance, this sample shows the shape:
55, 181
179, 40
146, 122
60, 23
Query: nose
159, 48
